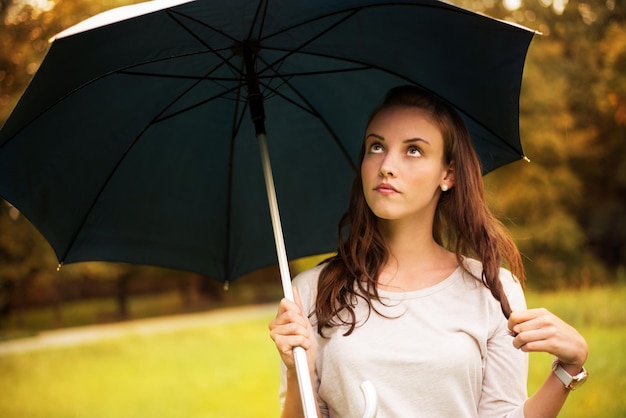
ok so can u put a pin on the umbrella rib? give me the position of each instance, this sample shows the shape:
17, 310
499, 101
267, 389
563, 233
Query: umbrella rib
179, 76
237, 121
195, 105
256, 16
357, 9
310, 73
351, 12
202, 41
311, 110
242, 115
210, 78
193, 19
304, 44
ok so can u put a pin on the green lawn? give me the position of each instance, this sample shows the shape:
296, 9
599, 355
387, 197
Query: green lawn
232, 370
211, 371
600, 315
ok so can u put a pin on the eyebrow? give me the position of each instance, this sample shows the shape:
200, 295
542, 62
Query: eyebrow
406, 141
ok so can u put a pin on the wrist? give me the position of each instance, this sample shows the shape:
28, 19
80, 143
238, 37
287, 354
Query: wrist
571, 368
574, 365
571, 375
291, 373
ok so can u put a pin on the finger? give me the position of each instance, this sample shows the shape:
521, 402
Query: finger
289, 320
289, 328
289, 312
533, 339
548, 333
520, 316
527, 319
287, 341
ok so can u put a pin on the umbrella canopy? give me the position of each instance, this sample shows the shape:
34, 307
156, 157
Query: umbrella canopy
134, 143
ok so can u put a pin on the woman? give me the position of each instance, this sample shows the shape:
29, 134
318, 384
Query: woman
417, 300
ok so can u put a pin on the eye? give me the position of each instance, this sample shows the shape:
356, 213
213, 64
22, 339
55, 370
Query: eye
414, 151
375, 148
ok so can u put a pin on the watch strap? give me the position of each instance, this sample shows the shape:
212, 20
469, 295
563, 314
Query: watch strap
570, 382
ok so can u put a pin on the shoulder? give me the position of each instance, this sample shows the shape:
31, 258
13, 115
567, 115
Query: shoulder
511, 285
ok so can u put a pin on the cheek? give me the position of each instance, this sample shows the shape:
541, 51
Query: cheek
366, 169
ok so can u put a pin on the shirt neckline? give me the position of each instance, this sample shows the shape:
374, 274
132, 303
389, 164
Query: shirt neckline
427, 291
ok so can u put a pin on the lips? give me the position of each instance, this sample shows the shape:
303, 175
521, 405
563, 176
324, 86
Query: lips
386, 188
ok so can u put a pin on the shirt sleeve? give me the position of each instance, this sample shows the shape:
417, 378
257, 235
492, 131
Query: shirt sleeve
506, 368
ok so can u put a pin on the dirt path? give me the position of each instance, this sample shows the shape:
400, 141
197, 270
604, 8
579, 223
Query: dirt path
85, 334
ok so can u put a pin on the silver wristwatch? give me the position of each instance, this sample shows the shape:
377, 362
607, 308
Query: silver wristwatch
570, 382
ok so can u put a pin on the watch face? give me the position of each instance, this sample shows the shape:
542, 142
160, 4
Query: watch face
578, 380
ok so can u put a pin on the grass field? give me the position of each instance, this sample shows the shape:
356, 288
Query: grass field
600, 315
228, 371
231, 370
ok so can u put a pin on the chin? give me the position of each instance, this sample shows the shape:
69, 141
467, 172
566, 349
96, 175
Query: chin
385, 215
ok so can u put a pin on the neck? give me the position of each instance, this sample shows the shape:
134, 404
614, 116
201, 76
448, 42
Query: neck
409, 241
415, 259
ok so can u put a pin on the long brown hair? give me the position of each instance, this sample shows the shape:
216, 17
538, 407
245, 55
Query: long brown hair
463, 224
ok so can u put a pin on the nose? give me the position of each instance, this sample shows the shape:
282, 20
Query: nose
387, 167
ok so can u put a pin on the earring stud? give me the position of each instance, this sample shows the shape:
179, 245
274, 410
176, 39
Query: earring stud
444, 187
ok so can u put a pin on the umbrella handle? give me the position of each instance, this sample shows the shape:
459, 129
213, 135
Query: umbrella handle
371, 399
304, 382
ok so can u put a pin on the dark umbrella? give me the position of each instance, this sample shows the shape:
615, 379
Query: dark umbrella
134, 142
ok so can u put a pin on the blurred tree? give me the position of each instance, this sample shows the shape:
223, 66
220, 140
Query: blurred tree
540, 199
591, 38
565, 208
24, 256
604, 207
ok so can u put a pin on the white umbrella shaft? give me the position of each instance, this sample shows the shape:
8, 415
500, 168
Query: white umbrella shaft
299, 354
302, 366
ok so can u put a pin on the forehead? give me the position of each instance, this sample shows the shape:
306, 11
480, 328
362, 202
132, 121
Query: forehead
404, 122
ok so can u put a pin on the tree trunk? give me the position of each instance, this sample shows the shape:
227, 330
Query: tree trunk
122, 296
57, 303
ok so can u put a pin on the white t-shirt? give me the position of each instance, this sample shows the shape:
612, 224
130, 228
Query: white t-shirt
444, 351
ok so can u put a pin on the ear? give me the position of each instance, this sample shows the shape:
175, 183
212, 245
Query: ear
449, 177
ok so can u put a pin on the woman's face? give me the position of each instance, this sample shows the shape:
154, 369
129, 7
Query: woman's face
403, 167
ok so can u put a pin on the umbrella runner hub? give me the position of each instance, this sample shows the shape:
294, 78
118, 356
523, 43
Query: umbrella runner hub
249, 50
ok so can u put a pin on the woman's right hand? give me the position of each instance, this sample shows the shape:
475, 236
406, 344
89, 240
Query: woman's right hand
292, 328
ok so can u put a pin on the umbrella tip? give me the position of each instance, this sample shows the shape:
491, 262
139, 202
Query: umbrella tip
59, 266
525, 158
226, 285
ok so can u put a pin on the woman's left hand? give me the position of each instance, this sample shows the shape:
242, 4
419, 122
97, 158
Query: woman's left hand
539, 330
